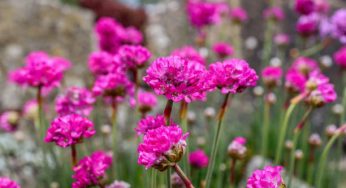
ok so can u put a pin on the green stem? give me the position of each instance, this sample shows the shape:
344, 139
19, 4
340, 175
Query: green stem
182, 175
216, 140
183, 123
232, 172
313, 50
153, 178
267, 49
168, 178
292, 158
265, 130
311, 164
114, 133
282, 133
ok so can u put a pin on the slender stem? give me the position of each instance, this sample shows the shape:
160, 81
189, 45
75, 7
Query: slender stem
216, 140
114, 133
267, 49
323, 159
182, 175
265, 130
292, 158
168, 178
40, 112
183, 123
74, 155
311, 164
168, 111
282, 132
232, 172
153, 178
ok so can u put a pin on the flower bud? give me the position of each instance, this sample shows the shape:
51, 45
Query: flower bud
237, 149
258, 91
338, 109
209, 112
330, 130
106, 129
299, 154
191, 117
270, 98
289, 145
177, 182
315, 140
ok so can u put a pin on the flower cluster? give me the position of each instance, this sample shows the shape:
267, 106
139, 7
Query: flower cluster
75, 101
149, 123
9, 121
282, 39
223, 49
304, 7
70, 129
177, 78
198, 159
6, 182
133, 56
232, 76
202, 13
189, 53
237, 148
308, 25
238, 15
274, 13
91, 169
146, 101
30, 109
271, 76
269, 177
162, 147
339, 25
101, 63
340, 57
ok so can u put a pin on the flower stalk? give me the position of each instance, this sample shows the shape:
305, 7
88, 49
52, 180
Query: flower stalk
232, 172
183, 123
182, 175
74, 155
265, 130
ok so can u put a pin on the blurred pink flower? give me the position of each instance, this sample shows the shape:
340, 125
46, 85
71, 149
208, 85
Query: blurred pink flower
282, 39
30, 108
91, 169
68, 130
189, 53
133, 56
272, 76
6, 182
232, 76
101, 63
340, 57
339, 25
304, 7
308, 25
9, 121
146, 101
201, 13
274, 13
149, 123
223, 49
305, 65
322, 6
295, 81
132, 36
238, 15
269, 177
162, 147
198, 159
177, 78
118, 184
76, 100
237, 149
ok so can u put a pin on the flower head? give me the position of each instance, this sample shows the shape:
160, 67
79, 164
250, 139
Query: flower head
308, 25
162, 147
189, 53
232, 76
304, 7
6, 182
101, 63
269, 177
149, 123
70, 129
339, 25
91, 169
133, 56
295, 81
177, 78
271, 76
282, 39
198, 159
340, 57
202, 13
237, 148
119, 184
76, 100
146, 101
131, 36
223, 49
274, 13
305, 65
9, 121
30, 109
238, 15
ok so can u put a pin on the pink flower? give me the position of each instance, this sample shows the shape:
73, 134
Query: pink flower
132, 36
269, 177
282, 39
322, 6
146, 101
6, 182
295, 81
70, 129
9, 121
40, 70
237, 149
304, 7
91, 169
223, 49
232, 76
118, 184
30, 109
178, 79
305, 65
272, 76
274, 13
133, 56
108, 31
308, 25
75, 101
189, 53
238, 15
162, 147
340, 57
202, 13
339, 25
101, 63
198, 159
149, 123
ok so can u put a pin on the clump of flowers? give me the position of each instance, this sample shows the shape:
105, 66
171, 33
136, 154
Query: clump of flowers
232, 76
282, 39
30, 109
198, 159
237, 148
238, 15
9, 121
189, 53
304, 65
272, 76
223, 50
295, 81
340, 57
101, 63
178, 79
304, 7
308, 25
91, 170
146, 101
339, 26
6, 182
76, 100
162, 147
133, 56
274, 13
149, 123
269, 177
69, 130
119, 184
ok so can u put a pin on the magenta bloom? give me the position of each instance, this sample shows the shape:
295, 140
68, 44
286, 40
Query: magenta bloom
304, 7
162, 147
269, 177
202, 13
149, 123
295, 81
146, 101
9, 121
70, 129
339, 25
282, 39
40, 70
272, 76
340, 57
131, 36
75, 101
238, 15
223, 49
189, 53
108, 31
322, 6
133, 56
178, 79
237, 149
198, 159
91, 169
6, 182
274, 13
305, 65
101, 63
308, 25
118, 184
232, 76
